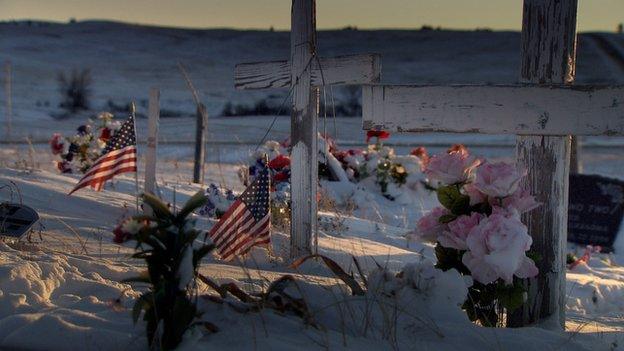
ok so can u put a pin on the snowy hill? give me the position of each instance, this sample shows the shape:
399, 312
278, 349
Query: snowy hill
126, 60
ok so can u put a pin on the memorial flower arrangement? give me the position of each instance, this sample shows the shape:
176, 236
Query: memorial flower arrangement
389, 171
376, 166
78, 152
165, 241
217, 201
478, 230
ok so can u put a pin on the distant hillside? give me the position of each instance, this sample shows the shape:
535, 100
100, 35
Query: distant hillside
126, 60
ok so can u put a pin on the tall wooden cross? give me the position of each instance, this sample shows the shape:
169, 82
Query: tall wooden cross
304, 73
544, 111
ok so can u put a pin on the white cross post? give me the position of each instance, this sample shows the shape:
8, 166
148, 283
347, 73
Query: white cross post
304, 74
544, 111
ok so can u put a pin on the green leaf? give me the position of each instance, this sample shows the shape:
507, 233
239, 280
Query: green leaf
184, 312
141, 218
452, 199
158, 207
142, 254
196, 201
191, 236
511, 297
535, 256
447, 195
447, 218
482, 207
139, 279
201, 252
461, 205
143, 300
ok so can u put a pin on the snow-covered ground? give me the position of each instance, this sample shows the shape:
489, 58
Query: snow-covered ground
62, 283
59, 289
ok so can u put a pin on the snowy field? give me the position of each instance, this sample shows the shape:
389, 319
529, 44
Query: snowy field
59, 288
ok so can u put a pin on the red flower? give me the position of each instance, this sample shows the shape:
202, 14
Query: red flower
280, 177
105, 134
379, 134
279, 162
64, 167
354, 152
56, 144
340, 155
120, 235
421, 153
457, 148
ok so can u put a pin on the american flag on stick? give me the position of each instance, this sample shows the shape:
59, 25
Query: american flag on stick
119, 156
247, 222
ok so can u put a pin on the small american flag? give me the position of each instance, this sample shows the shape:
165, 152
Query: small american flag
119, 156
247, 222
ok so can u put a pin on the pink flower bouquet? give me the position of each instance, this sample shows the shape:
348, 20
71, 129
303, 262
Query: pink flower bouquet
478, 230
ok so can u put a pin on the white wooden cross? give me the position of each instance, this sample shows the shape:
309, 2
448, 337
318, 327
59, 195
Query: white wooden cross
304, 75
544, 111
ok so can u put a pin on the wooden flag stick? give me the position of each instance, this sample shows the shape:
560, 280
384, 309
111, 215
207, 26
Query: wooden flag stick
136, 173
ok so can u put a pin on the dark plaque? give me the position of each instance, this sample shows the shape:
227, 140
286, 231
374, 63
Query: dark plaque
16, 220
596, 207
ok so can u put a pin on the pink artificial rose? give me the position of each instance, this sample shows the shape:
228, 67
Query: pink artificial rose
521, 201
509, 212
455, 236
498, 179
429, 226
476, 197
451, 168
497, 247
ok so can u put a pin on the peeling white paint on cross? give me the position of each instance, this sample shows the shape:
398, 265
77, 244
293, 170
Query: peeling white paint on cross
304, 75
543, 111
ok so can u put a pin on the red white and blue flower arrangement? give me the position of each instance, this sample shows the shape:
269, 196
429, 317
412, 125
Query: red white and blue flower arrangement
78, 152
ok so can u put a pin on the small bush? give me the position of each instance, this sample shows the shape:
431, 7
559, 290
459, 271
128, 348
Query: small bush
262, 107
165, 241
75, 89
347, 103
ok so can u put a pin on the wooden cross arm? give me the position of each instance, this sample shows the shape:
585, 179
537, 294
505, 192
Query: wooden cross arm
350, 69
495, 109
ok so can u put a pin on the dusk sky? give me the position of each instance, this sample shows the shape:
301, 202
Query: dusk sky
261, 14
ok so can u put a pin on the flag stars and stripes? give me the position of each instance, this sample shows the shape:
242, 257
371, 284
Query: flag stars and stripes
246, 223
118, 156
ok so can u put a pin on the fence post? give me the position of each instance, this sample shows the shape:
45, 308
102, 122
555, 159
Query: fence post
8, 94
200, 144
152, 141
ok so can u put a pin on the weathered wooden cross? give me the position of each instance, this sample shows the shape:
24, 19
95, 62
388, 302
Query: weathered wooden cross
304, 73
544, 111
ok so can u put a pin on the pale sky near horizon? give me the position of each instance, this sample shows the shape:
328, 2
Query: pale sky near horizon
603, 15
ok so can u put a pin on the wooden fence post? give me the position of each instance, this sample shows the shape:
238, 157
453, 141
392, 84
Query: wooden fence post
200, 144
303, 128
152, 141
8, 95
548, 57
